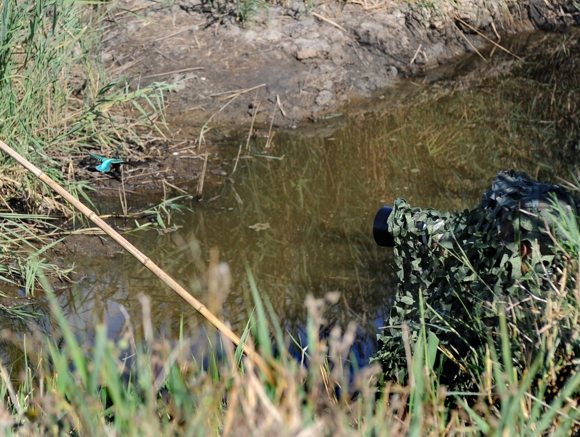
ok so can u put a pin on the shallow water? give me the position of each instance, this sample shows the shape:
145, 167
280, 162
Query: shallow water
298, 215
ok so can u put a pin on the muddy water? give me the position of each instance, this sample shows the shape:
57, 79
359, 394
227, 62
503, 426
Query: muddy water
298, 214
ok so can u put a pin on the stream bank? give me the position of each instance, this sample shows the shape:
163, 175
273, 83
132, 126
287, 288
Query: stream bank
290, 62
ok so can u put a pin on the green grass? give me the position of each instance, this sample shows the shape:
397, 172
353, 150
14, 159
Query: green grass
56, 102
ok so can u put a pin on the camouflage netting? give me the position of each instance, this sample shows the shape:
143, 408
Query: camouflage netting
470, 265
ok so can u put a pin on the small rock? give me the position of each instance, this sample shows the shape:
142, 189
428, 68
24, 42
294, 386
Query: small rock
106, 57
324, 98
233, 31
299, 28
298, 9
327, 85
308, 49
337, 54
392, 72
250, 35
272, 35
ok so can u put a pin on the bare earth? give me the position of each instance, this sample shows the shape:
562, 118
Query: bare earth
290, 66
301, 64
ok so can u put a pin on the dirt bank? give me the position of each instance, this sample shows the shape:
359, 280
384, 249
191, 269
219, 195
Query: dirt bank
297, 62
288, 65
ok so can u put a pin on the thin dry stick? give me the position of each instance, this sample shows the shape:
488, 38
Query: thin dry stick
495, 31
91, 215
329, 21
215, 113
470, 44
123, 194
371, 7
279, 103
176, 33
122, 68
11, 391
167, 73
490, 40
202, 178
239, 93
416, 54
123, 204
253, 120
226, 92
270, 136
164, 191
175, 187
129, 11
249, 134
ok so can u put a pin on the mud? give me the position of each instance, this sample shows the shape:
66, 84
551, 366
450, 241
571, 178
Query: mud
290, 63
289, 66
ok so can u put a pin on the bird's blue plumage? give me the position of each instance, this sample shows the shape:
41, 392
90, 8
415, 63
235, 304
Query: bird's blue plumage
106, 163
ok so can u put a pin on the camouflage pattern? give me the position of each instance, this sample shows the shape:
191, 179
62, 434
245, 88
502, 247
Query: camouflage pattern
466, 266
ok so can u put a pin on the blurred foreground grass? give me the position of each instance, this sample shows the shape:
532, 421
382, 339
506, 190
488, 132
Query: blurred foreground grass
141, 386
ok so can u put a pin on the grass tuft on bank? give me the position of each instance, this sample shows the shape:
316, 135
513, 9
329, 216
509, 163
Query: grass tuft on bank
57, 102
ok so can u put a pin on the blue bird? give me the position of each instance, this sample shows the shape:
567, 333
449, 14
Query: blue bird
107, 163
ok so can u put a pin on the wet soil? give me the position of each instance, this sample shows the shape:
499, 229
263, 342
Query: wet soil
289, 63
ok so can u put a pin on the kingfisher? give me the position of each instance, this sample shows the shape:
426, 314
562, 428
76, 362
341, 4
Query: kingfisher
107, 163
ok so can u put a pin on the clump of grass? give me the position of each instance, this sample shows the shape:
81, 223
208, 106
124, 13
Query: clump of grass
248, 9
56, 101
56, 98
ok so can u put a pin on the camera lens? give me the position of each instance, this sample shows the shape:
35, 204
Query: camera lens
380, 228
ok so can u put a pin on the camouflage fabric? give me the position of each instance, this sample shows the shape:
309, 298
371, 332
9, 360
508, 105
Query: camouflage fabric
466, 266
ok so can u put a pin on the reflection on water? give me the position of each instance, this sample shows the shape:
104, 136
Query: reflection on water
302, 222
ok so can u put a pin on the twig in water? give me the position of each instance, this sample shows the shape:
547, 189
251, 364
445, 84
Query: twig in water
175, 187
270, 136
205, 128
202, 177
122, 194
490, 40
256, 107
470, 44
